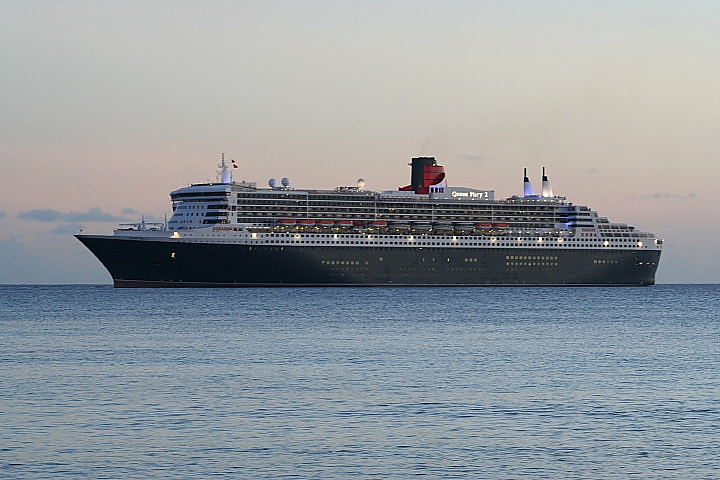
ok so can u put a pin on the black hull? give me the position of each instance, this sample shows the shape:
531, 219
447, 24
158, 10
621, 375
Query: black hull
162, 263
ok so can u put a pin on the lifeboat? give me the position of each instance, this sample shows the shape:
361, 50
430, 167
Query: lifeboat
483, 225
464, 227
443, 229
287, 222
399, 226
325, 223
305, 222
377, 223
421, 227
501, 225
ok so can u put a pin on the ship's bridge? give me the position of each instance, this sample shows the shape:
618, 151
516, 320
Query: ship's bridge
200, 205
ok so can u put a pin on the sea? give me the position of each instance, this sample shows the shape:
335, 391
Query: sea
336, 383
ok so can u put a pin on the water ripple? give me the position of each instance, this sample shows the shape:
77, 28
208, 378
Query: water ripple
365, 383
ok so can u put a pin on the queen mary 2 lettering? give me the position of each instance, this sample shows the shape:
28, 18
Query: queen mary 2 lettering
235, 234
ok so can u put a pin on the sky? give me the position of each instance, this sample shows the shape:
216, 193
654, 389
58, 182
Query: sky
105, 107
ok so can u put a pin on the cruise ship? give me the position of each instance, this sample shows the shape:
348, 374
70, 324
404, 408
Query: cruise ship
236, 234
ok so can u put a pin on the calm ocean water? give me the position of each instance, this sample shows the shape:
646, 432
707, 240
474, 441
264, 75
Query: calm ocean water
390, 383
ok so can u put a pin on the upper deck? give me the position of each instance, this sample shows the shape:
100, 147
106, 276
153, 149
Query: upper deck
417, 209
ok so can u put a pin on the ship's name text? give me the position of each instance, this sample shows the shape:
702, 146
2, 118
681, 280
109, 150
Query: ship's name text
470, 194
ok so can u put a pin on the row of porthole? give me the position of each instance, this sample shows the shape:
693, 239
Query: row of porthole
342, 262
460, 238
532, 264
531, 257
341, 242
416, 242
